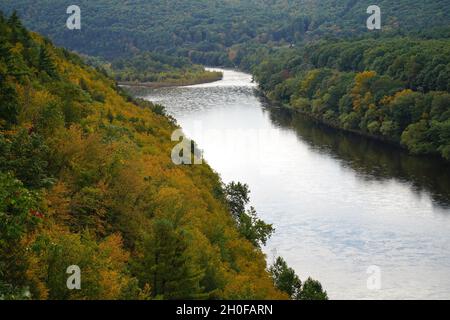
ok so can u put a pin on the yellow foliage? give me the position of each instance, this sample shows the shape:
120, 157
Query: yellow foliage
113, 177
360, 94
403, 93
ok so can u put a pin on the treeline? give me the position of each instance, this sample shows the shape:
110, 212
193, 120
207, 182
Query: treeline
395, 90
86, 179
154, 69
206, 30
161, 68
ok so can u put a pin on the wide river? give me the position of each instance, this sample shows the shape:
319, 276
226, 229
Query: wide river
364, 218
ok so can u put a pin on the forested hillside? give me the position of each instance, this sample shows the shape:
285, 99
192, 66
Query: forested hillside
205, 30
86, 179
396, 90
86, 176
391, 84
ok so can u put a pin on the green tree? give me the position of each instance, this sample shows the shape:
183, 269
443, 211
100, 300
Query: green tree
285, 279
441, 130
417, 138
18, 215
46, 63
249, 225
237, 195
26, 155
254, 229
51, 119
16, 203
14, 21
9, 108
312, 290
167, 266
18, 32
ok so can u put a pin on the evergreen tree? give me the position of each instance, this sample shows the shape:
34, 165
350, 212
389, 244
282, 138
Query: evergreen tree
45, 62
18, 32
26, 156
312, 290
168, 267
14, 21
9, 105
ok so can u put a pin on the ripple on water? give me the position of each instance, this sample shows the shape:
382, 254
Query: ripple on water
339, 203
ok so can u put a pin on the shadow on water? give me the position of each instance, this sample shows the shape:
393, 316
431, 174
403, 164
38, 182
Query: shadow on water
371, 159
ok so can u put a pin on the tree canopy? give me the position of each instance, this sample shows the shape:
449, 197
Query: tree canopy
86, 179
207, 30
395, 90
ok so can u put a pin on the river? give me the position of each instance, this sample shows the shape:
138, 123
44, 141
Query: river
366, 219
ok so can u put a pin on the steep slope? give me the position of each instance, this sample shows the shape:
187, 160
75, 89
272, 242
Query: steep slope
86, 179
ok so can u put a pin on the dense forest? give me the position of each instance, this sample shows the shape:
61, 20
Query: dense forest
396, 90
210, 31
86, 179
85, 171
315, 56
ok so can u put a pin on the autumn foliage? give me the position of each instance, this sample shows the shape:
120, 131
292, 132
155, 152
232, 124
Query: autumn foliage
86, 179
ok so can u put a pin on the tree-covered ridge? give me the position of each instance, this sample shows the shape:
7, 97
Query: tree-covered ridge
205, 30
396, 90
86, 179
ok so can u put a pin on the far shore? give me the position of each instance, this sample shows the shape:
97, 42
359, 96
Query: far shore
168, 83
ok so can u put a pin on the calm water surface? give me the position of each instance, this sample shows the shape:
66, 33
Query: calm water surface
340, 203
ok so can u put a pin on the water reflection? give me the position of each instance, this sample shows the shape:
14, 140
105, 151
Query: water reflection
340, 203
372, 160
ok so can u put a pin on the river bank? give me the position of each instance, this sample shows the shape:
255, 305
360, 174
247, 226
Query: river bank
340, 203
367, 135
165, 84
333, 124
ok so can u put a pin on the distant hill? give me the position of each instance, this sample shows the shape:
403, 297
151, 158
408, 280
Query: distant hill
205, 29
